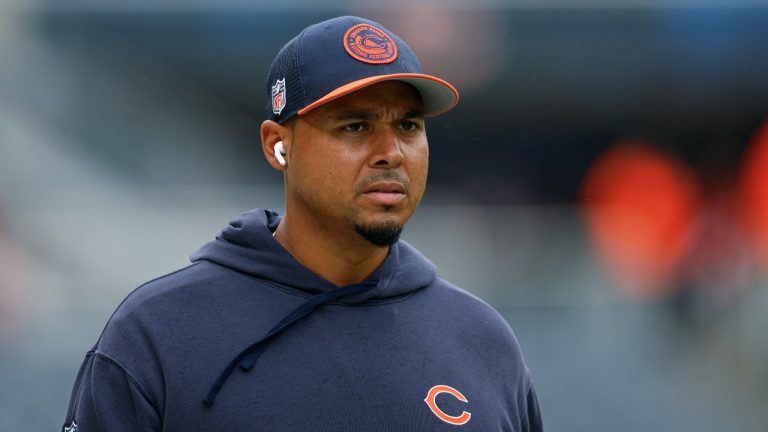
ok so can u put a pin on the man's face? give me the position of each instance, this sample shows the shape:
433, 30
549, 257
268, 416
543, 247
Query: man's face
360, 161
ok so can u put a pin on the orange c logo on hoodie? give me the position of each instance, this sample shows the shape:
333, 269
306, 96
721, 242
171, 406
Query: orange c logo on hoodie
432, 404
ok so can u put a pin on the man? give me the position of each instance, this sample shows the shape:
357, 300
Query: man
319, 320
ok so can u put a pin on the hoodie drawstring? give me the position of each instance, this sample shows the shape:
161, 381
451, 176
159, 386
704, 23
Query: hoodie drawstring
248, 357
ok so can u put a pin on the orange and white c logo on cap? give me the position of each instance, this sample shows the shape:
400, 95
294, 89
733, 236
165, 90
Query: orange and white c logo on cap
432, 404
370, 44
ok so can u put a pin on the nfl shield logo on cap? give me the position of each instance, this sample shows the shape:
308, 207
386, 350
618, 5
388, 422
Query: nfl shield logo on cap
278, 96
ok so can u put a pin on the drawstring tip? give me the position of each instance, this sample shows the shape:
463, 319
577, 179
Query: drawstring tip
250, 359
211, 396
208, 401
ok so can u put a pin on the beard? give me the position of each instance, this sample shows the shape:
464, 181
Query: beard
381, 234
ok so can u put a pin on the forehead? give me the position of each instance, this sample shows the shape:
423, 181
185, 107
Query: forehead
386, 96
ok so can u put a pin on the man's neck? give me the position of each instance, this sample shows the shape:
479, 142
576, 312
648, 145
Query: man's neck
341, 258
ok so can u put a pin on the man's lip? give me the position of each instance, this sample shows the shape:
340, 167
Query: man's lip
385, 198
385, 187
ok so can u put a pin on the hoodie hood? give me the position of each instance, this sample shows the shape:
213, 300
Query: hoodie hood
247, 245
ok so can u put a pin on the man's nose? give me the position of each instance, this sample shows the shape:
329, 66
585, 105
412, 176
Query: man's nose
387, 152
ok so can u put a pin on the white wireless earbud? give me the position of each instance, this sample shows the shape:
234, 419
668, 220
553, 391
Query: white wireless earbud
279, 153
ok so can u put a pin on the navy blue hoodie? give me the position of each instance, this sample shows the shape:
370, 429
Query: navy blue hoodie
402, 351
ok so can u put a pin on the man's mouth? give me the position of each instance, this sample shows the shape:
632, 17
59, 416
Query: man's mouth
386, 193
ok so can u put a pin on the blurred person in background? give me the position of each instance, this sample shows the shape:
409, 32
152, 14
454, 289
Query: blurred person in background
333, 322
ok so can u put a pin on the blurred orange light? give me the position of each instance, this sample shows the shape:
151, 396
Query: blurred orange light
641, 205
754, 192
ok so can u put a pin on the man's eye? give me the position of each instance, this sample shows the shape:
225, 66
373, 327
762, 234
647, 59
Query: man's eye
409, 125
354, 127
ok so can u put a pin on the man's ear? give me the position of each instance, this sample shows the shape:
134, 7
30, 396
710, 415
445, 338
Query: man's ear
271, 134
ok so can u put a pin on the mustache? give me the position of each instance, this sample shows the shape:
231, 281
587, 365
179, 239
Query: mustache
383, 176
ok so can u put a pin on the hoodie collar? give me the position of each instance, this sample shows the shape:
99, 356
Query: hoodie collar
247, 245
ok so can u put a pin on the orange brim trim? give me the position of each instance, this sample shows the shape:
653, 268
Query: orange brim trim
357, 85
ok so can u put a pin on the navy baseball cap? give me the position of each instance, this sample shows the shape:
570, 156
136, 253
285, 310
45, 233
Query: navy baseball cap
336, 57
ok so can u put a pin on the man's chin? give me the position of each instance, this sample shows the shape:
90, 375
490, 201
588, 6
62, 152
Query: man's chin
380, 234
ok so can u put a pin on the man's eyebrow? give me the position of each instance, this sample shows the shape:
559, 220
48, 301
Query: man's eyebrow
414, 114
355, 115
370, 116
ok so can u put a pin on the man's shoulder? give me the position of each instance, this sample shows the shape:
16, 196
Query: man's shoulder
469, 319
178, 283
178, 303
147, 319
165, 299
459, 302
458, 295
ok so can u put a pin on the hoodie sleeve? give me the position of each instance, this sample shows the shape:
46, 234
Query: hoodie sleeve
107, 398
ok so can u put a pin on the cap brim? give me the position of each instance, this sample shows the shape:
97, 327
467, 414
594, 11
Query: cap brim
437, 95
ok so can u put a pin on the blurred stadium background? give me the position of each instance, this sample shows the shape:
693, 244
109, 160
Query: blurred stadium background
603, 183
